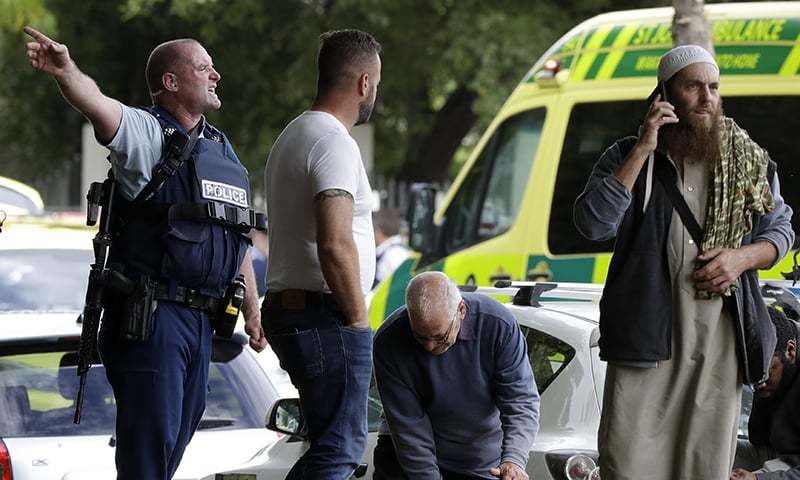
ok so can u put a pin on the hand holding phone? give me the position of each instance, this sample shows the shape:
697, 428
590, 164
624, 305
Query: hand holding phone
661, 112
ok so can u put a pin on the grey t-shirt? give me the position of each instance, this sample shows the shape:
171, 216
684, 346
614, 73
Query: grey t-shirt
135, 150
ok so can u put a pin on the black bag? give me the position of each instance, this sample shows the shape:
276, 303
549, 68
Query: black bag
755, 331
137, 311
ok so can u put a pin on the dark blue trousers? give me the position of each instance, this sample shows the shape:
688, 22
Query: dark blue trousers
160, 389
331, 366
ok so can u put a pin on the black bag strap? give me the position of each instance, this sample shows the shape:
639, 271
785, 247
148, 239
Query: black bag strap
241, 219
667, 178
178, 149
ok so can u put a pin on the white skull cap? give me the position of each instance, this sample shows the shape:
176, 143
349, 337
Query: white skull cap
681, 57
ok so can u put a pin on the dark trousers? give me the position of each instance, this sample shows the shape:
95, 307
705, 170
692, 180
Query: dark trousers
160, 389
388, 468
330, 364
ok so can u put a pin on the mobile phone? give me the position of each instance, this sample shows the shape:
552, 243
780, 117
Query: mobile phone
664, 92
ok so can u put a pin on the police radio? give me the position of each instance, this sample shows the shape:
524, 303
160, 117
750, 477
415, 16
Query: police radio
226, 319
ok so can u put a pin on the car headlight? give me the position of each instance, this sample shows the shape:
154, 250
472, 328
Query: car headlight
572, 464
581, 467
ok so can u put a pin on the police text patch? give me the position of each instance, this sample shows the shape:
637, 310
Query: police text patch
223, 192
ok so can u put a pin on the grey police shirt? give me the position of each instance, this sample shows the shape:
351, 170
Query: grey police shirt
135, 150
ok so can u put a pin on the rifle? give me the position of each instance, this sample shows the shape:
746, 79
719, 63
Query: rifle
99, 199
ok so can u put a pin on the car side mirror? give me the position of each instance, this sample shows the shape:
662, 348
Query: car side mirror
286, 416
361, 470
421, 206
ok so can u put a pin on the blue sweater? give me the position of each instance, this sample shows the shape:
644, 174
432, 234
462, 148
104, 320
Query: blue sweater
466, 410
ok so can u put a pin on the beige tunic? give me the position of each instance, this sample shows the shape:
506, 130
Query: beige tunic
678, 421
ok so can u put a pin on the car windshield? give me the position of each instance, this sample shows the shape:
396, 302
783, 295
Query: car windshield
38, 390
43, 280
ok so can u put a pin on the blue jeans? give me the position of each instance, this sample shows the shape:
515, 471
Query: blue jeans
330, 364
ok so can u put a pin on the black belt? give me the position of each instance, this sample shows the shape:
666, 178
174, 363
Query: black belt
294, 299
189, 297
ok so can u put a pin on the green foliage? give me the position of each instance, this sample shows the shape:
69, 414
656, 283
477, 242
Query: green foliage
29, 109
266, 53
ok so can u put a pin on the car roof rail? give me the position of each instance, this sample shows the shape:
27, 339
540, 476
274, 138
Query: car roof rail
529, 293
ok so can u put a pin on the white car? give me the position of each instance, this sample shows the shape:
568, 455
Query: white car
43, 275
562, 336
38, 384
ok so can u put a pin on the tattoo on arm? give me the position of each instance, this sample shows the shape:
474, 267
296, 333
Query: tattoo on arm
332, 193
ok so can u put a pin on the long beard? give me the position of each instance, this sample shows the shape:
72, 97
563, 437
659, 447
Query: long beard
693, 140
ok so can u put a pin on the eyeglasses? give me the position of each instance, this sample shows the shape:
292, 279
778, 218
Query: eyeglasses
440, 340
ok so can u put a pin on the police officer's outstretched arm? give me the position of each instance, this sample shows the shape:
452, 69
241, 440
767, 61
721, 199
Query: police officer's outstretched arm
78, 89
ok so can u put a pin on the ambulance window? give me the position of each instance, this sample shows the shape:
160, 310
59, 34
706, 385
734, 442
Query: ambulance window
488, 201
592, 128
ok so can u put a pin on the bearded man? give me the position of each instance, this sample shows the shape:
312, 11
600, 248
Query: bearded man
673, 382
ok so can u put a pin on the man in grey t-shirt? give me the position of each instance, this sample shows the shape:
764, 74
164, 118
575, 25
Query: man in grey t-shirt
322, 257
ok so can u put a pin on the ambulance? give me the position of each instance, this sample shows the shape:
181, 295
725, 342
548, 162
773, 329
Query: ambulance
508, 214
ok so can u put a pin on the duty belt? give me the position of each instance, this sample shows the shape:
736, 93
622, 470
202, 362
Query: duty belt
189, 297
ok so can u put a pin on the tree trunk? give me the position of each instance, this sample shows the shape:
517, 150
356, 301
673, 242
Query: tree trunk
429, 160
690, 26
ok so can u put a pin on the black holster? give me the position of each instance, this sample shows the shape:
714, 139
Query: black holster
135, 302
137, 311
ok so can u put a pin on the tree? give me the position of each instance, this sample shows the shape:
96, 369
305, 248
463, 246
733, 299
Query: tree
690, 26
448, 66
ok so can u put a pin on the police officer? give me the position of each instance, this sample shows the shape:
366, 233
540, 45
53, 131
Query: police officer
159, 380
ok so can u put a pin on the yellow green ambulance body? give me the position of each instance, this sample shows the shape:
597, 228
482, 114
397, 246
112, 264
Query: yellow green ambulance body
508, 214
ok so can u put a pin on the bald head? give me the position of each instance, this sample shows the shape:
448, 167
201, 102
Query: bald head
431, 300
170, 56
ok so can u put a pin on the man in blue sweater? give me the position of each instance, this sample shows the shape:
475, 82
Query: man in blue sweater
457, 387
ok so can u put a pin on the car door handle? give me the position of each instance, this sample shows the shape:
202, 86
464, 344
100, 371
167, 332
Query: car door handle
360, 471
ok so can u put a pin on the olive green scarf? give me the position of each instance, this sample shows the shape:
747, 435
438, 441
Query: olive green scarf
738, 189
